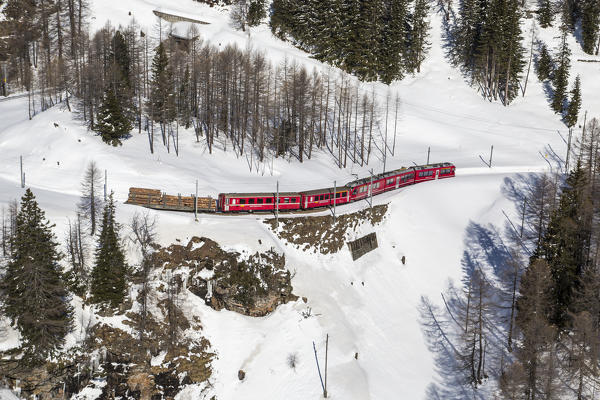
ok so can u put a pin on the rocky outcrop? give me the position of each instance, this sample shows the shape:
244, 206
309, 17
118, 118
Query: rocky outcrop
253, 285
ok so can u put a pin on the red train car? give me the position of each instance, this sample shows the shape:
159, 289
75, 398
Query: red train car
391, 180
433, 171
324, 197
249, 202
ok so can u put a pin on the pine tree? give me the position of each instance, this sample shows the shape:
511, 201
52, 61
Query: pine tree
545, 13
108, 275
574, 104
112, 124
417, 43
257, 11
590, 24
561, 75
161, 103
394, 52
565, 244
533, 310
34, 292
545, 64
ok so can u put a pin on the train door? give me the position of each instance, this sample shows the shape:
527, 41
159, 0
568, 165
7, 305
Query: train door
437, 173
397, 181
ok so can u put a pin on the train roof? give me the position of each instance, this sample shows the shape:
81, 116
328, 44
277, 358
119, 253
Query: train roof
325, 190
428, 166
379, 176
265, 194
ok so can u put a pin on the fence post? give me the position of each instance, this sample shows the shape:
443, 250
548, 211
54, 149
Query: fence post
22, 175
196, 203
491, 153
334, 199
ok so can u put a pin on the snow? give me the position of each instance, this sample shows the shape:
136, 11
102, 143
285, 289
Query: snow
367, 307
6, 394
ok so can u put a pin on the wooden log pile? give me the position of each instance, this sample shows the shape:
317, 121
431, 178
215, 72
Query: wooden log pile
154, 198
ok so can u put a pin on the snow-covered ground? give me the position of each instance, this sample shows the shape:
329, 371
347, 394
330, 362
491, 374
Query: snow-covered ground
367, 307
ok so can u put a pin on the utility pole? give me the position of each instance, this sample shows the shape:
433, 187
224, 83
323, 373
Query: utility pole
568, 150
334, 200
428, 151
105, 184
277, 207
326, 352
523, 217
491, 153
22, 174
196, 203
583, 134
371, 189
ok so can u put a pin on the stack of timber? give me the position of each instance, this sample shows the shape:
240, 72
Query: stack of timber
154, 198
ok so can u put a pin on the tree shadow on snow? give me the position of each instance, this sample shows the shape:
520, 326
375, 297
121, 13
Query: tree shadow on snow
487, 254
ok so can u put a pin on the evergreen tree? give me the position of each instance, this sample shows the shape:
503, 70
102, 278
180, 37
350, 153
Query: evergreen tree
418, 44
120, 73
565, 244
574, 104
394, 50
590, 24
561, 75
108, 275
545, 64
120, 57
184, 99
257, 11
533, 310
545, 13
161, 103
112, 124
34, 292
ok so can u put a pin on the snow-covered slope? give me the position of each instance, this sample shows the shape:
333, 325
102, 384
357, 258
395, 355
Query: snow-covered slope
426, 223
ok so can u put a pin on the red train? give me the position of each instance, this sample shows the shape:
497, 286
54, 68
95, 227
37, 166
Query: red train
352, 191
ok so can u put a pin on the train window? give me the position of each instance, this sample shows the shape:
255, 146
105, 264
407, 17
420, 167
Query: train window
242, 201
250, 201
232, 201
269, 200
286, 200
260, 201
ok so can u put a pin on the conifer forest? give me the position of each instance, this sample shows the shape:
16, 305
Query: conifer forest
482, 286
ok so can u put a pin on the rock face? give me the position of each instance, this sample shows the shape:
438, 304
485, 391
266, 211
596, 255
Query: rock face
320, 234
252, 285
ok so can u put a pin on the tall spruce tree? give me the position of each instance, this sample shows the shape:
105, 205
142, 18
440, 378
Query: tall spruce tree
417, 43
35, 296
545, 65
545, 13
257, 11
112, 123
574, 104
394, 42
109, 272
561, 75
565, 244
161, 104
590, 24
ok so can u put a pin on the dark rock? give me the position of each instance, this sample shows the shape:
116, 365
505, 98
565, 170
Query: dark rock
241, 374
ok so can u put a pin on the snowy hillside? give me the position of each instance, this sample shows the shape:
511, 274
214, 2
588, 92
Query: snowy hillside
368, 306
